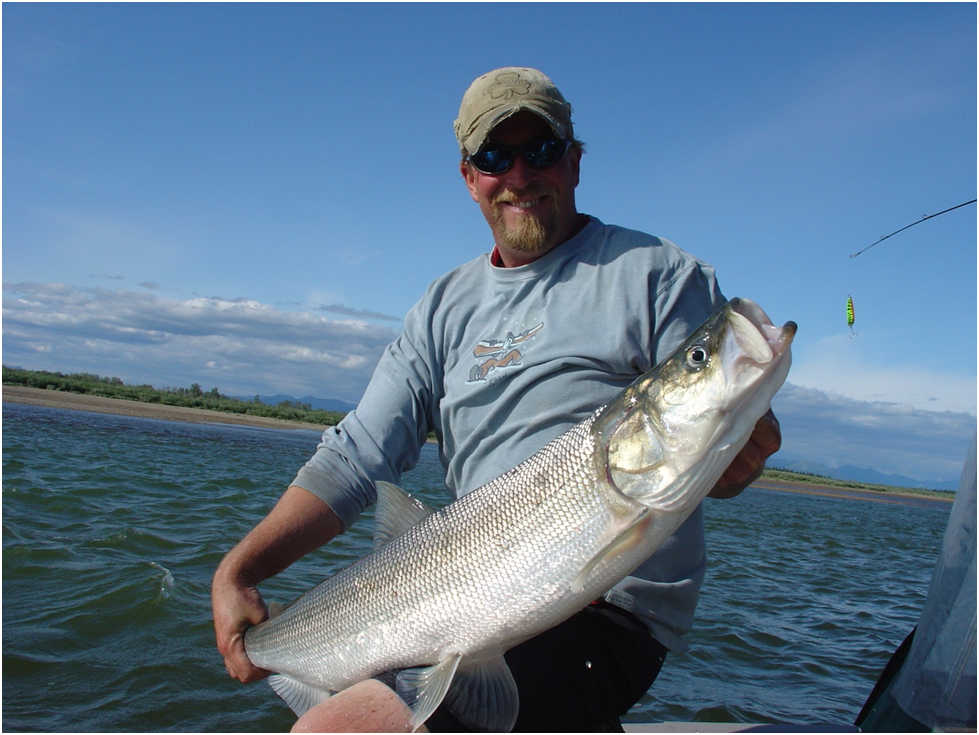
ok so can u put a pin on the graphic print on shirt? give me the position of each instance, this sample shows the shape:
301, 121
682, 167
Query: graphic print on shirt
496, 353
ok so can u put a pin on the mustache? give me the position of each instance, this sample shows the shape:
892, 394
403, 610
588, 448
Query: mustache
508, 196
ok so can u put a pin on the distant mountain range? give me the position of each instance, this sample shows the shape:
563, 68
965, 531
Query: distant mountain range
856, 474
322, 404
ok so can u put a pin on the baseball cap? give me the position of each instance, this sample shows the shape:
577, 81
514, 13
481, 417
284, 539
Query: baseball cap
496, 95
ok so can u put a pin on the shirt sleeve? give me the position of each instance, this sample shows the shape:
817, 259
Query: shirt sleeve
384, 435
682, 303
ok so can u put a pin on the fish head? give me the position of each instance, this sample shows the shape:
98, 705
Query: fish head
688, 417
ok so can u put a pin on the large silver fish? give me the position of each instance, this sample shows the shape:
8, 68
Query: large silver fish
445, 594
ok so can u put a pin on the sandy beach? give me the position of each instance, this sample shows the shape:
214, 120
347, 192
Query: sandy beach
81, 402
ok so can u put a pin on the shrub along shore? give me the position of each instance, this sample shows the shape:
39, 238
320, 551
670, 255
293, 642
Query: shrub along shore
192, 397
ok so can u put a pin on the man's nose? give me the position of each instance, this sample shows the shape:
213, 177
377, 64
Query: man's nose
520, 174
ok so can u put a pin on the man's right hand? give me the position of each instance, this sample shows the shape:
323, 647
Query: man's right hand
236, 607
299, 523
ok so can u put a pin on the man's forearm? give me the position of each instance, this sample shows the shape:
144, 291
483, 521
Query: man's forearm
298, 524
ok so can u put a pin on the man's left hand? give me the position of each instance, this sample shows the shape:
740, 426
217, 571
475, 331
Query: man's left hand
747, 466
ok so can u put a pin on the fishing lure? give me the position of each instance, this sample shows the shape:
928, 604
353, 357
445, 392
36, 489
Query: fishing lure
850, 316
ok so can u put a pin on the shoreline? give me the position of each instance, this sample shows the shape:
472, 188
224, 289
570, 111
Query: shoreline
119, 406
851, 493
123, 407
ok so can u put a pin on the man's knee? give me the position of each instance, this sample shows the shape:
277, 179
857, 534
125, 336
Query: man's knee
368, 706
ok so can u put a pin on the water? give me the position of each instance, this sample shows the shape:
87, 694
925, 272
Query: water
112, 527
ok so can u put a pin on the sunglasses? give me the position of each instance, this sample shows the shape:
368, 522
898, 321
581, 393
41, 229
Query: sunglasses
496, 158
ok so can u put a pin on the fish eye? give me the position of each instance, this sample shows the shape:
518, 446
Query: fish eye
697, 357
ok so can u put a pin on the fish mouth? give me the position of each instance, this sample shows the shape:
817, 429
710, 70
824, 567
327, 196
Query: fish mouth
759, 340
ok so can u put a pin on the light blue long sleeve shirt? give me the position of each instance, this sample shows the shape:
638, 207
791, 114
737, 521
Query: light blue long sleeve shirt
499, 361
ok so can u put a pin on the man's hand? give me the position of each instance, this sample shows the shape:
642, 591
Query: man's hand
299, 523
765, 440
236, 607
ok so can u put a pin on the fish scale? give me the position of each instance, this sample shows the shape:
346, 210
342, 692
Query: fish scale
452, 590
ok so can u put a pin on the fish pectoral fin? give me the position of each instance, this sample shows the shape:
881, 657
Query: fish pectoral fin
396, 512
484, 697
423, 689
630, 535
275, 609
677, 493
299, 695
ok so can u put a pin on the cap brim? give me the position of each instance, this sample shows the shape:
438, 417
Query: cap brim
475, 140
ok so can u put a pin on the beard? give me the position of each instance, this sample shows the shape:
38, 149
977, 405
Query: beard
532, 234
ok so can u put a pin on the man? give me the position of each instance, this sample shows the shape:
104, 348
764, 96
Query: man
500, 356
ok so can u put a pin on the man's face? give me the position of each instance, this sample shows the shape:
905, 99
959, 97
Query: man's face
529, 211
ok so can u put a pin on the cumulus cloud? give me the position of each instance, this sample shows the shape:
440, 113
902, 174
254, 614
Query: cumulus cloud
834, 431
841, 367
239, 345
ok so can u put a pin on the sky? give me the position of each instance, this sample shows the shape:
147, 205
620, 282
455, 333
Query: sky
251, 196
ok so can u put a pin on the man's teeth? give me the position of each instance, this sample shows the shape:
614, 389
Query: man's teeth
525, 205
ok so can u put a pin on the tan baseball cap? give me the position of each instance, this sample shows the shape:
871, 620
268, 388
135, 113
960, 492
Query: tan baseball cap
498, 94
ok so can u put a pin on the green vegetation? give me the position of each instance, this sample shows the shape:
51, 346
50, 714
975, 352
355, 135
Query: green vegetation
193, 397
776, 474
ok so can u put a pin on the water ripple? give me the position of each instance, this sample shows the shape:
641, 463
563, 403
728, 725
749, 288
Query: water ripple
112, 527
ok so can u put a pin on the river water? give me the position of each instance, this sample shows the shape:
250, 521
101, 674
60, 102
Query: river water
113, 525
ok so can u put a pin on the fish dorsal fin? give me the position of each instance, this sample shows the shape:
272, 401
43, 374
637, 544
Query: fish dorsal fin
396, 512
484, 697
423, 689
299, 695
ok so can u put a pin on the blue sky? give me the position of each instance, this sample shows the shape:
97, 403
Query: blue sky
251, 196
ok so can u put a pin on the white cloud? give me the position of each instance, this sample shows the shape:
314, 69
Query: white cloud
241, 345
838, 366
244, 347
833, 431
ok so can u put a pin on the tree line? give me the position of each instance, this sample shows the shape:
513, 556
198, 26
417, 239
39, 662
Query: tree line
192, 397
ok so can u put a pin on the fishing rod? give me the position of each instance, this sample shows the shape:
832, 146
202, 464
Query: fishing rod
927, 216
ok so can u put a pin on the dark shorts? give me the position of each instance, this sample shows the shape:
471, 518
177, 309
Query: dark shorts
579, 676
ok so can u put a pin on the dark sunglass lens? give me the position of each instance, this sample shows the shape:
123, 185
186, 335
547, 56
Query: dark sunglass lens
545, 153
492, 160
539, 154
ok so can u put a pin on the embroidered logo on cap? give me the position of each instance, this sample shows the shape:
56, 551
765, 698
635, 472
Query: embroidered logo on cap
508, 84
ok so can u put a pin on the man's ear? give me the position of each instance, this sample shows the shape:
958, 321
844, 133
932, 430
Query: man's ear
575, 163
469, 175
